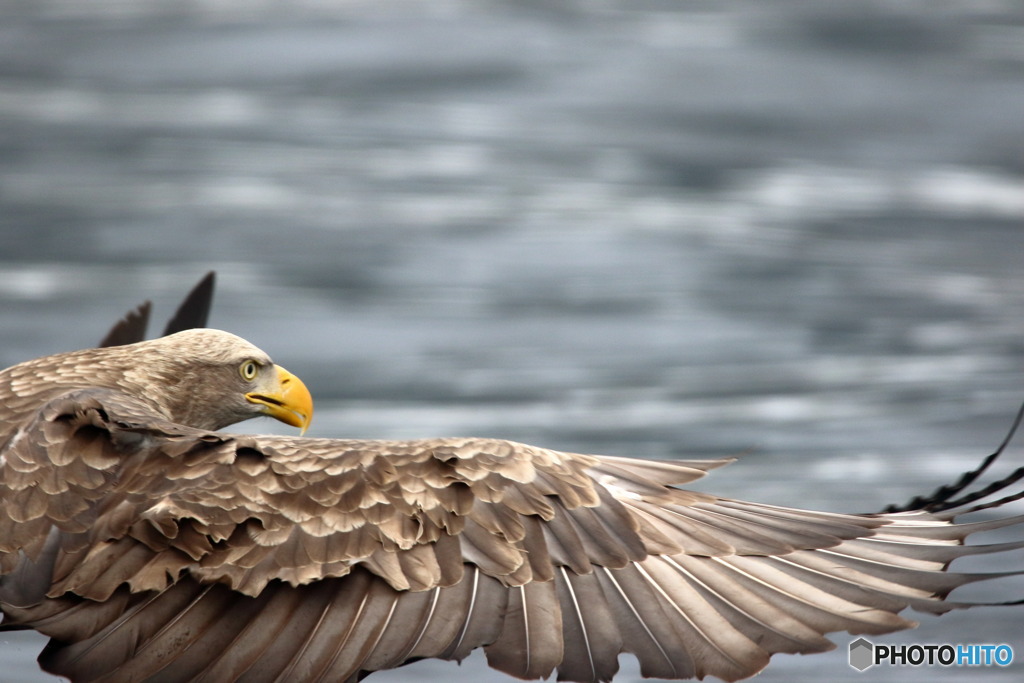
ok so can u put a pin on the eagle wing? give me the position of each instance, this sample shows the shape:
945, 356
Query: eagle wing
146, 549
193, 311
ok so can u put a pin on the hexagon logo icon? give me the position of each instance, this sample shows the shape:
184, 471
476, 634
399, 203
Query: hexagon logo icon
862, 654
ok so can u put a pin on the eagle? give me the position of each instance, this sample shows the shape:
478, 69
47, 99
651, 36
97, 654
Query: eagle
148, 544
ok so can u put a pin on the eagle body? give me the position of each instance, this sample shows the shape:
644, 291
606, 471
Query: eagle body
148, 545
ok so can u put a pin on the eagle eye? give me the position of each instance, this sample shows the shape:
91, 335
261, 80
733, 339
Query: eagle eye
248, 370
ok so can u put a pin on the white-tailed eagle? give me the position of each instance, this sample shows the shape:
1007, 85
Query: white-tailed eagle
148, 545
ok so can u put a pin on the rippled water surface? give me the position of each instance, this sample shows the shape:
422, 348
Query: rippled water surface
778, 229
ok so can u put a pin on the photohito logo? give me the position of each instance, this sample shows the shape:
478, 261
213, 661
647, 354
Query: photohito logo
865, 654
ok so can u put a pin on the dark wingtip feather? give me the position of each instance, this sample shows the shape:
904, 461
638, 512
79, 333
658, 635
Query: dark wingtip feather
195, 309
945, 497
193, 312
129, 329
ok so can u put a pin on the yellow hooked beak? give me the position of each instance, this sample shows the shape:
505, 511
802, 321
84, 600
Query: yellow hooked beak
286, 399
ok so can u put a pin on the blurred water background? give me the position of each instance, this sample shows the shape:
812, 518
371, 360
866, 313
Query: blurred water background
786, 229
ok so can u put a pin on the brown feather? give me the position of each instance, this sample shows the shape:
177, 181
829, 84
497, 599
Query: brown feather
530, 645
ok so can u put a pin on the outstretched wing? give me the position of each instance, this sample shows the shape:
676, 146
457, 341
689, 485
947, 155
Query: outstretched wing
145, 548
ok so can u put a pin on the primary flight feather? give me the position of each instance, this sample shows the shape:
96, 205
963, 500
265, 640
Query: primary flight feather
148, 545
